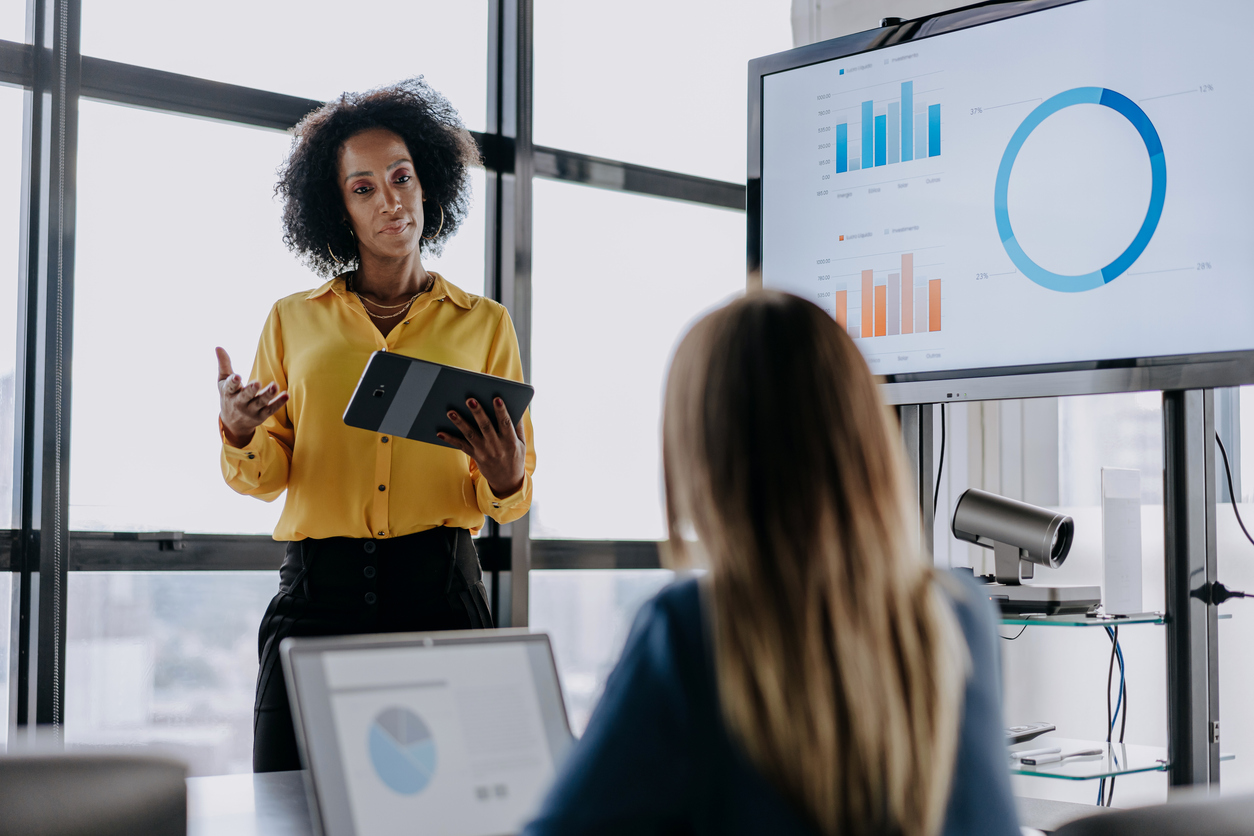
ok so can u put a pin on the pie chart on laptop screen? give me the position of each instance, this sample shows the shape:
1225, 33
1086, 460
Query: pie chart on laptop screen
402, 750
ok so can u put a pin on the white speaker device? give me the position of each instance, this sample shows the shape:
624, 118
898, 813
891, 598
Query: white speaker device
1121, 541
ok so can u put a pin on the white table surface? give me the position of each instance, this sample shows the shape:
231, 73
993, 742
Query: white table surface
273, 804
269, 804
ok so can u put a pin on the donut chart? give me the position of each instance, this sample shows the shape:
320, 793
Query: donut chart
1125, 107
402, 750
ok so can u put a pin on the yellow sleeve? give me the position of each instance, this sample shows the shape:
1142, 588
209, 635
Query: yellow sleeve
504, 360
261, 468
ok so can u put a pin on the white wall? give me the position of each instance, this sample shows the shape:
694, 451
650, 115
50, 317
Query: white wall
818, 20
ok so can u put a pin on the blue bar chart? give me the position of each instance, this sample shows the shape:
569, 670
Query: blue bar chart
894, 131
868, 134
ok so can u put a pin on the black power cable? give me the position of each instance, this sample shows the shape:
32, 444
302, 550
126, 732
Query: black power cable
1217, 593
1106, 792
1232, 494
1016, 635
941, 467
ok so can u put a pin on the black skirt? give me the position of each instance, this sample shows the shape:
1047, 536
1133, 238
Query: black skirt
342, 586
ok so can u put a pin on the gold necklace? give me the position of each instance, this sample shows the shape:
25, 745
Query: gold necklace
386, 316
404, 306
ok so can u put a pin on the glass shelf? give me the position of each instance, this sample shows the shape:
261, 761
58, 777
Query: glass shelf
1116, 759
1082, 620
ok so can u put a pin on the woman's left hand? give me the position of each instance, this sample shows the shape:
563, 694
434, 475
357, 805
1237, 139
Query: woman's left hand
499, 455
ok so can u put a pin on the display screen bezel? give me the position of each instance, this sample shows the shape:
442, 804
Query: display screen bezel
1096, 376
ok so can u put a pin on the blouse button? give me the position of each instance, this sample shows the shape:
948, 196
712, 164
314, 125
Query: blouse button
368, 547
368, 571
381, 534
371, 598
383, 487
251, 456
385, 439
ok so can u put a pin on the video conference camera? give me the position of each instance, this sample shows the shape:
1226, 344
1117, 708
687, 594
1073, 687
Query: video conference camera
1022, 536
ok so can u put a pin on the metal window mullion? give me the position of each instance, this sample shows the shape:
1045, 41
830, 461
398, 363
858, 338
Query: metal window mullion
917, 436
26, 474
508, 248
1189, 493
51, 143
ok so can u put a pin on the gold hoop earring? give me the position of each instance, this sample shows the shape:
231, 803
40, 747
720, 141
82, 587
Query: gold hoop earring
436, 234
337, 261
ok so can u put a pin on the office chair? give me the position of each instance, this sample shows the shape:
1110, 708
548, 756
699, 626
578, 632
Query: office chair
100, 795
1228, 816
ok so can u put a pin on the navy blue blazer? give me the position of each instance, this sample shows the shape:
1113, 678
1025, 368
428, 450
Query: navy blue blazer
657, 757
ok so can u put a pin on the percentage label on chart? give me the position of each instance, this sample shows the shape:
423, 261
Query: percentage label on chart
976, 110
1206, 88
981, 276
1203, 265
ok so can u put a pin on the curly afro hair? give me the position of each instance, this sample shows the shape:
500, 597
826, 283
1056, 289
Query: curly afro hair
313, 208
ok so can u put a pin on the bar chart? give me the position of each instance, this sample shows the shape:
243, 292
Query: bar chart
900, 301
894, 131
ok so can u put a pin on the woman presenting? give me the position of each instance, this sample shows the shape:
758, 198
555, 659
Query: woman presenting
378, 528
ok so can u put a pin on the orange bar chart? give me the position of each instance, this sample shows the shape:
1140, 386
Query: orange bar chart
934, 305
894, 301
907, 293
868, 314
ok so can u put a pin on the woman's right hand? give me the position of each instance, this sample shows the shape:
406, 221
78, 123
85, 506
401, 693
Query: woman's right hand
243, 408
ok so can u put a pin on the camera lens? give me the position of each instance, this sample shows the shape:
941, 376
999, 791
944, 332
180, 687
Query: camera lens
1062, 541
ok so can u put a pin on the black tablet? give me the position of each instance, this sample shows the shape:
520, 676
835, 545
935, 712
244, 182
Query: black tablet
399, 395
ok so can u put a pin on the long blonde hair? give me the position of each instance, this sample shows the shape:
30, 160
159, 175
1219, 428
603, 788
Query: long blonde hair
840, 663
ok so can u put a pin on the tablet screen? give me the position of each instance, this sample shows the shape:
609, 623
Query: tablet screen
445, 739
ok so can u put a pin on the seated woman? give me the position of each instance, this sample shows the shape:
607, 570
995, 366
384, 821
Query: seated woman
822, 677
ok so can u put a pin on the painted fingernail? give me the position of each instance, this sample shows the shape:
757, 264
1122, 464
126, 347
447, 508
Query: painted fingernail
472, 403
499, 402
452, 415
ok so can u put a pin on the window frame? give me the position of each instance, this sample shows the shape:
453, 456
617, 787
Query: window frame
41, 548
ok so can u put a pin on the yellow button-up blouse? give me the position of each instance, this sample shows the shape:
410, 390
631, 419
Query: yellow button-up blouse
346, 482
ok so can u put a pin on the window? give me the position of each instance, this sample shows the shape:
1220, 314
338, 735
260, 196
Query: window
462, 260
6, 641
10, 233
658, 82
195, 197
1099, 431
177, 248
621, 277
167, 659
587, 614
13, 22
312, 48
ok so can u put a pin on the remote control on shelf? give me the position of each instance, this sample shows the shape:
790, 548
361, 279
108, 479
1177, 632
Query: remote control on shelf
1027, 731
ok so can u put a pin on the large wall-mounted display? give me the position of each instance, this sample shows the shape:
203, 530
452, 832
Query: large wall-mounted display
1066, 186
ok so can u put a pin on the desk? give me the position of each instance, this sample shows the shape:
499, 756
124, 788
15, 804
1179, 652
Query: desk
269, 804
273, 804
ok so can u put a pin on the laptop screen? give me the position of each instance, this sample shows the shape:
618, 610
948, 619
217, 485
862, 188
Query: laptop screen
459, 738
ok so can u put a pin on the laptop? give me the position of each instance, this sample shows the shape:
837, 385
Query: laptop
447, 734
